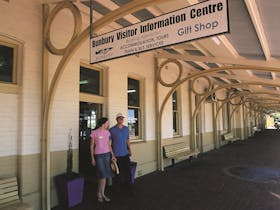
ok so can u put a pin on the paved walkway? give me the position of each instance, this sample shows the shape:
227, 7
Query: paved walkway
203, 185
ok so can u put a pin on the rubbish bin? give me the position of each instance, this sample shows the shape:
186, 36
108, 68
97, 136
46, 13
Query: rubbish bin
132, 171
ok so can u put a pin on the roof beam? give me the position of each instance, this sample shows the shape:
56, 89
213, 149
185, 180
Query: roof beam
112, 6
155, 11
256, 19
273, 75
236, 61
182, 52
221, 38
228, 45
251, 78
58, 1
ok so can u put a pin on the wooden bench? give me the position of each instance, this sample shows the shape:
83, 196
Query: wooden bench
9, 198
256, 129
177, 151
229, 137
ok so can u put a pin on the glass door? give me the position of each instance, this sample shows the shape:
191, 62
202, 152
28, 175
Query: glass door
89, 114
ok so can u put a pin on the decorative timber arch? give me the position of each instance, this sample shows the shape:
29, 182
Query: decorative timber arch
66, 53
207, 94
210, 90
257, 108
79, 36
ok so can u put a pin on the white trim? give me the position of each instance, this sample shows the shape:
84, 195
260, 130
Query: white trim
17, 45
142, 128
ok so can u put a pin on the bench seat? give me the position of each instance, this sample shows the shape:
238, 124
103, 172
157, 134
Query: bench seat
229, 137
9, 198
256, 129
17, 206
177, 151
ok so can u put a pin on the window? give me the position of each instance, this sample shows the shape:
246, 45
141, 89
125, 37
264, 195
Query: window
175, 113
7, 65
197, 119
11, 51
134, 108
92, 107
226, 116
92, 102
89, 114
90, 81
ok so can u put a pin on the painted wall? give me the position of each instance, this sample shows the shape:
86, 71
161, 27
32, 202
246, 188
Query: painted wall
16, 17
9, 125
21, 113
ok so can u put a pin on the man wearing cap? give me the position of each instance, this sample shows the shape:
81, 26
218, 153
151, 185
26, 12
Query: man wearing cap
122, 151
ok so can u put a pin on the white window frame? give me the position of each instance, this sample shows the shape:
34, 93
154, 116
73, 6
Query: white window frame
178, 114
12, 87
140, 108
101, 98
226, 116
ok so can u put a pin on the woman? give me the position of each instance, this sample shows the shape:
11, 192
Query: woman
101, 153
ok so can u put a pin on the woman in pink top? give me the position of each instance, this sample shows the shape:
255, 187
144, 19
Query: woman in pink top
101, 155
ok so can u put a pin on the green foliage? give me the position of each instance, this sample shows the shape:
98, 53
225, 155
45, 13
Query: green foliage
276, 115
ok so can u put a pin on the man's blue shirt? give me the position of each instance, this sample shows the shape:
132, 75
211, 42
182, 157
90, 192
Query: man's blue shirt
119, 138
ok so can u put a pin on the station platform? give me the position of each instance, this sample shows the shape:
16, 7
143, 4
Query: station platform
205, 184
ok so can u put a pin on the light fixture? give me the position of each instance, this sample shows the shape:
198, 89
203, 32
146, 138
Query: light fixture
131, 91
83, 82
2, 61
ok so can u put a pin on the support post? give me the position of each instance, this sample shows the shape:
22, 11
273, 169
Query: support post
45, 158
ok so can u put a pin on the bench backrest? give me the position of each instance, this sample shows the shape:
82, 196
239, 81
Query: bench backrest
173, 149
8, 191
256, 128
228, 136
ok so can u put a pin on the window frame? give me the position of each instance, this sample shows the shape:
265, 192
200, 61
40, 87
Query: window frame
226, 116
101, 79
198, 115
93, 98
141, 135
178, 113
12, 87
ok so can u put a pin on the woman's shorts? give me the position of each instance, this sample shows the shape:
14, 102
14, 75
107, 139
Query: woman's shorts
103, 162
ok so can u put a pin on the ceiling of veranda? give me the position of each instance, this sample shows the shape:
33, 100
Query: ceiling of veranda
253, 39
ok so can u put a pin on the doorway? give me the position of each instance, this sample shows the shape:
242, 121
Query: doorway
89, 114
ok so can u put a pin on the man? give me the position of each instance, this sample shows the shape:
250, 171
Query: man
122, 151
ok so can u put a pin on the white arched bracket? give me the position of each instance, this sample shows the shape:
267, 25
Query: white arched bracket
209, 85
188, 78
66, 54
77, 26
219, 88
159, 76
159, 120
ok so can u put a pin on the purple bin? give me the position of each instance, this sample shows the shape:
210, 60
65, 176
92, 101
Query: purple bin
70, 189
132, 171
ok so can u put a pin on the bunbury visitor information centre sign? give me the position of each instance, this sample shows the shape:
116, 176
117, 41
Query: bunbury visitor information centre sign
198, 21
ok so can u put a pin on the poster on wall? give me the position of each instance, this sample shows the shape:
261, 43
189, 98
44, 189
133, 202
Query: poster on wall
198, 21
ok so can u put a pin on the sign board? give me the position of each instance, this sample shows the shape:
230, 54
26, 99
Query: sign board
201, 20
